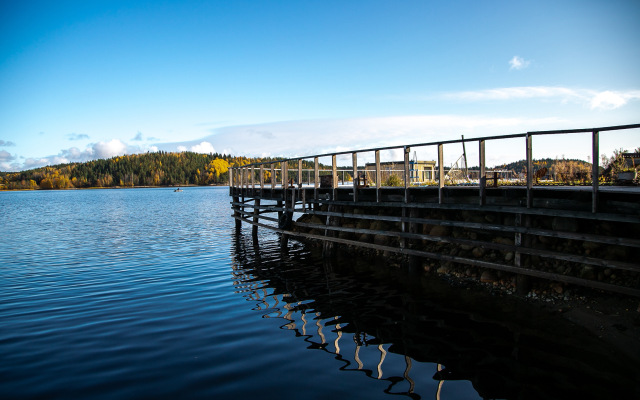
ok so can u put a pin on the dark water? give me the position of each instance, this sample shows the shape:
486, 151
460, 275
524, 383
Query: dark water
148, 293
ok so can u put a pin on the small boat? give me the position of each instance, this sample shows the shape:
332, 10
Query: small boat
178, 190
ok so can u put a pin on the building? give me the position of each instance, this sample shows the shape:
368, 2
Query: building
420, 172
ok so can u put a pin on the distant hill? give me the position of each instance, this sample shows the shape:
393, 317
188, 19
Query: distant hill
148, 169
548, 163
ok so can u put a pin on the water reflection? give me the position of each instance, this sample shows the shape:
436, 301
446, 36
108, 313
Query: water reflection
424, 339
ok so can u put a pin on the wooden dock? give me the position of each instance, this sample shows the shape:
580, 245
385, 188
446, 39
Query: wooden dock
572, 235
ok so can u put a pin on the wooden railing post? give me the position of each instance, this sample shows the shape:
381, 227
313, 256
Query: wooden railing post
316, 178
356, 178
300, 173
261, 179
273, 177
253, 172
595, 170
529, 144
440, 174
482, 178
334, 177
407, 173
378, 176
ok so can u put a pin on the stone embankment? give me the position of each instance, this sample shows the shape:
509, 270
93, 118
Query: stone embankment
610, 316
481, 239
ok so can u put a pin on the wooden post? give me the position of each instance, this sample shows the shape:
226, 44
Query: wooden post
595, 170
256, 216
407, 173
273, 177
482, 178
253, 173
285, 175
440, 174
334, 178
300, 173
356, 179
261, 179
529, 171
236, 212
316, 178
378, 176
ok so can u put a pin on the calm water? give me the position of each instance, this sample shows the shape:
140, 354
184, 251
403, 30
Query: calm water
148, 293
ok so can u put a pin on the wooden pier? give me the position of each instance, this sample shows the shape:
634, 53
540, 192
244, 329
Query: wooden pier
578, 235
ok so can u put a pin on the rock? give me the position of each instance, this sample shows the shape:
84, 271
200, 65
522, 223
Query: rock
587, 272
509, 256
443, 269
439, 230
466, 247
503, 240
490, 218
488, 277
378, 226
477, 252
381, 240
473, 235
557, 288
363, 224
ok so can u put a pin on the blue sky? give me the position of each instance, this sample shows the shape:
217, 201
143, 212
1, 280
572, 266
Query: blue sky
81, 80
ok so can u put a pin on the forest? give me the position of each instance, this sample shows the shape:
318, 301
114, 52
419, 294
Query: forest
148, 169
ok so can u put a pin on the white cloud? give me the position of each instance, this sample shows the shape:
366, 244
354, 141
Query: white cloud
609, 100
521, 92
203, 147
606, 100
109, 149
310, 137
518, 63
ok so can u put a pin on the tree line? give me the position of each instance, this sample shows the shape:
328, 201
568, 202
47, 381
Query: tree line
149, 169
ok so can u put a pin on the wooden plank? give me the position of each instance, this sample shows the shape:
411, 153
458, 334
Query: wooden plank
300, 173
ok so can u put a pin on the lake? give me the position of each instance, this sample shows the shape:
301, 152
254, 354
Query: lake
148, 293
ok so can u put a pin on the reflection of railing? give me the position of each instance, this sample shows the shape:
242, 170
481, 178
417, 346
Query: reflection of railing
253, 175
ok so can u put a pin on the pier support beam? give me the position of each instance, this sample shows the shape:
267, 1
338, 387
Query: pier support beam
256, 216
236, 213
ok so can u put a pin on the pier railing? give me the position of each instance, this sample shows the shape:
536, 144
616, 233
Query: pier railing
289, 172
578, 236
